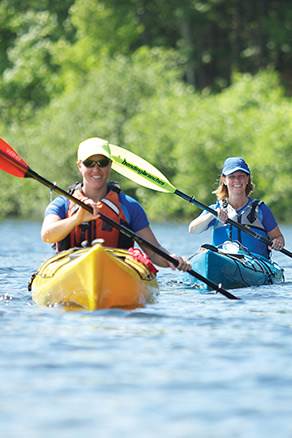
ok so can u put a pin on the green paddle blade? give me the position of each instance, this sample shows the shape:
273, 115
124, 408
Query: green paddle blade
138, 170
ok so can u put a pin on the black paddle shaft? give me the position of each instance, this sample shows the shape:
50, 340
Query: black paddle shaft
30, 173
244, 228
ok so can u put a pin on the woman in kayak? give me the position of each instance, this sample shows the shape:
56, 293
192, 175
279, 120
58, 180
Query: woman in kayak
234, 202
67, 225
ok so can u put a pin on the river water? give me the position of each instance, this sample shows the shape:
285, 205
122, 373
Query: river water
191, 365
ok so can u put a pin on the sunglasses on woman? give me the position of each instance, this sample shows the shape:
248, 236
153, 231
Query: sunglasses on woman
103, 162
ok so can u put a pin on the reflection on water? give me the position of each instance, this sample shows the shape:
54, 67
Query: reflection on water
190, 365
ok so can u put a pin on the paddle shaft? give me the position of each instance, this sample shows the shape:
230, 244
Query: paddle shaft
129, 233
243, 228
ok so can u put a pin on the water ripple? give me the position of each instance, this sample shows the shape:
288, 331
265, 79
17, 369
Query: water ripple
193, 364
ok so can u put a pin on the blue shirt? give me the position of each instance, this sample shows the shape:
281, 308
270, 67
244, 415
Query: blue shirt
133, 211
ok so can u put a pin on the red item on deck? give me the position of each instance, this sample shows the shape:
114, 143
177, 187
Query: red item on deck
138, 255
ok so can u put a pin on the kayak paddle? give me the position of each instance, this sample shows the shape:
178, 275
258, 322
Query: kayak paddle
145, 174
12, 163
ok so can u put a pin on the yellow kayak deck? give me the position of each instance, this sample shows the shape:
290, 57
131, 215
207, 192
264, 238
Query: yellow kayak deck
94, 278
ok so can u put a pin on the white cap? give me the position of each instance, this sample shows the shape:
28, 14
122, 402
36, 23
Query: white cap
93, 146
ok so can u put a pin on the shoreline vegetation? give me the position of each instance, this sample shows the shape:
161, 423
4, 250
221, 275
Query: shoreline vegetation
64, 78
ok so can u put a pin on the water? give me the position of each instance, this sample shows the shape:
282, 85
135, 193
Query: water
191, 365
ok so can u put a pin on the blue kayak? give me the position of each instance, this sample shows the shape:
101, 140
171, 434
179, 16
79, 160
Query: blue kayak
233, 270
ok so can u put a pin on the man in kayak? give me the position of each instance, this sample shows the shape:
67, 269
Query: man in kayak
67, 225
234, 202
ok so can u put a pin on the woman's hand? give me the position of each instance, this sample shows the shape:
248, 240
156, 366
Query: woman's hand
183, 264
83, 215
277, 239
222, 215
277, 243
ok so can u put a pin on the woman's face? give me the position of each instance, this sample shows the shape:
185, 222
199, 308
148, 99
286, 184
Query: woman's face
236, 182
95, 174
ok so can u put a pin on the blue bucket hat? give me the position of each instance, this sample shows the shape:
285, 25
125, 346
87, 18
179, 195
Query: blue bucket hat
232, 164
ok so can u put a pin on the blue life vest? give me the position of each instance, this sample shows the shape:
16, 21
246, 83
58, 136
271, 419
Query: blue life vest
250, 215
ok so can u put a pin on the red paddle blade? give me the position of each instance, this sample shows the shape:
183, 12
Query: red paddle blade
11, 162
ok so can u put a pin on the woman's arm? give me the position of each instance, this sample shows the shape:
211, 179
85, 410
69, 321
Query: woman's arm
270, 223
55, 229
201, 223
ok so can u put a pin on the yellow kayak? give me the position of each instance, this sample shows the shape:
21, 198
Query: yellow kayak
94, 278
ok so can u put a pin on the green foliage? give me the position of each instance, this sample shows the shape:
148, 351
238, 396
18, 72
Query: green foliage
28, 82
103, 29
120, 69
111, 25
184, 134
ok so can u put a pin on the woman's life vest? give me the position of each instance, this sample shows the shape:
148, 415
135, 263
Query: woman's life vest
98, 229
251, 216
